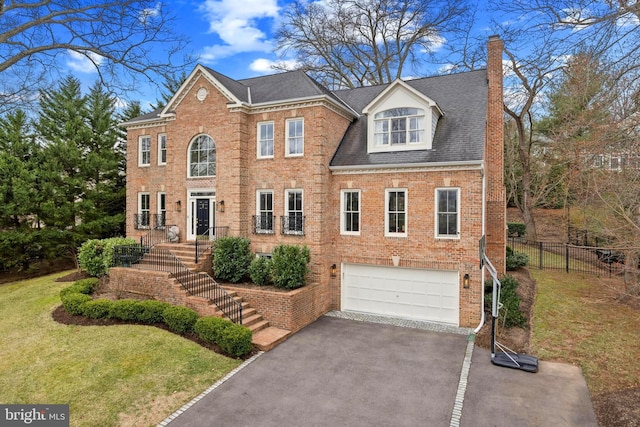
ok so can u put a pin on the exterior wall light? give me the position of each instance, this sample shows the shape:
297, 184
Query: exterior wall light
178, 206
334, 270
465, 281
221, 206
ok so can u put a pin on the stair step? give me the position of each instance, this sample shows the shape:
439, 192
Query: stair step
257, 326
268, 338
251, 319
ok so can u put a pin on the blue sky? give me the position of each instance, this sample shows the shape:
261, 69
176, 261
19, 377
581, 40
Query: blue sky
234, 37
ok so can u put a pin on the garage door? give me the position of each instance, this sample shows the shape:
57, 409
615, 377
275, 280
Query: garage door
409, 293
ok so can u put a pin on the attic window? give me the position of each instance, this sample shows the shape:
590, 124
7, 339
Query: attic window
399, 126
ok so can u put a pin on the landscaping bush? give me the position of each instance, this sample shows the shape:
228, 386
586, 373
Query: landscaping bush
209, 328
231, 258
96, 256
259, 271
73, 302
98, 308
516, 229
180, 319
516, 260
126, 309
152, 311
235, 340
510, 302
289, 266
84, 286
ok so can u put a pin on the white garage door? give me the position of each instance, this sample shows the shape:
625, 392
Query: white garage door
409, 293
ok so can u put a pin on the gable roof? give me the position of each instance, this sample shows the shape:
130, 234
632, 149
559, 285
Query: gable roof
459, 136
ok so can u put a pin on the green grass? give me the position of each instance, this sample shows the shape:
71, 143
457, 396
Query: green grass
110, 375
577, 319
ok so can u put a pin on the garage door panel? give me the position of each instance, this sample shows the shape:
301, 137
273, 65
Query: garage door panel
419, 294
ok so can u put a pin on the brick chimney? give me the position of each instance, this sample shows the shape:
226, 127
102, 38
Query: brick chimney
496, 206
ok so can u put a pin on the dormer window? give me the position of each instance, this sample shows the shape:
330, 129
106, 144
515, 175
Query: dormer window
400, 126
401, 118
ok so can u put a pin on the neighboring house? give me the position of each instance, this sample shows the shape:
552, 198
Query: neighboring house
391, 187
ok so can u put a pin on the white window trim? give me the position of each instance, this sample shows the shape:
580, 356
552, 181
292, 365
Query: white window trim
189, 158
141, 211
286, 209
343, 230
273, 217
435, 204
286, 137
387, 233
160, 150
140, 159
258, 140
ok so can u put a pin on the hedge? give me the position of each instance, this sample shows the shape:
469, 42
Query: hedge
259, 270
97, 309
234, 340
73, 302
510, 302
231, 258
179, 319
96, 255
289, 266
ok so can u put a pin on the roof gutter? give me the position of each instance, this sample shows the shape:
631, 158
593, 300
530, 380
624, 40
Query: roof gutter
469, 164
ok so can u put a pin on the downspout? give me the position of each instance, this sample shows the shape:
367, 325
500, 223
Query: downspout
484, 187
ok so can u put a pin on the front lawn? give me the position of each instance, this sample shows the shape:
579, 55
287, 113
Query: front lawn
110, 375
578, 319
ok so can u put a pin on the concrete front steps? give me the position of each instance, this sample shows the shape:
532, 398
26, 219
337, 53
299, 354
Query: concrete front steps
265, 336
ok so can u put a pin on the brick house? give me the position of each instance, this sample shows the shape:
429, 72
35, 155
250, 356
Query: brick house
391, 187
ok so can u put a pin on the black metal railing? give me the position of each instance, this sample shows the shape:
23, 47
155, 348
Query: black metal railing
204, 241
263, 224
568, 257
141, 220
197, 284
159, 220
156, 236
292, 224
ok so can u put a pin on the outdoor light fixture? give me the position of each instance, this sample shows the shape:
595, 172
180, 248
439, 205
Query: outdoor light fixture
334, 270
178, 206
221, 206
465, 281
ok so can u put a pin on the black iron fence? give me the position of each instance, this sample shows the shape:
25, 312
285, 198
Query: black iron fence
569, 257
205, 240
292, 224
198, 284
157, 235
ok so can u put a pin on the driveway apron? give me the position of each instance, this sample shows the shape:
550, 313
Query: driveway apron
339, 372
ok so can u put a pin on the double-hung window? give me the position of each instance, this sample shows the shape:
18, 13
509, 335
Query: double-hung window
399, 126
293, 221
162, 210
448, 213
144, 151
144, 211
264, 215
265, 140
396, 212
350, 212
162, 149
295, 137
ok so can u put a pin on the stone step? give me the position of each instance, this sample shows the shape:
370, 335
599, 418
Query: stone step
267, 338
257, 326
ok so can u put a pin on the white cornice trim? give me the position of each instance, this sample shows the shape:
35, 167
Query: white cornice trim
288, 104
413, 167
150, 122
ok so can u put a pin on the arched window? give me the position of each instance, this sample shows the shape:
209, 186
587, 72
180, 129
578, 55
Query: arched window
202, 157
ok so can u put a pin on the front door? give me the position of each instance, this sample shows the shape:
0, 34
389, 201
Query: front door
203, 209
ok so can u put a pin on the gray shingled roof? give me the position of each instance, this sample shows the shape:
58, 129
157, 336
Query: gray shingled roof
460, 133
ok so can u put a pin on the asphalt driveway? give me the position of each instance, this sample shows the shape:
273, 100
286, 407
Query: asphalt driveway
339, 372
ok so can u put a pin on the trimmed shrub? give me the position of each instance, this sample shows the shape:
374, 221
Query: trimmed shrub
180, 319
231, 258
289, 266
84, 286
516, 229
259, 271
516, 260
152, 311
126, 309
510, 302
96, 256
235, 340
74, 302
209, 328
97, 308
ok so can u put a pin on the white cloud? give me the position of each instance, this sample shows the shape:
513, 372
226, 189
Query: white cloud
85, 62
147, 15
236, 23
265, 66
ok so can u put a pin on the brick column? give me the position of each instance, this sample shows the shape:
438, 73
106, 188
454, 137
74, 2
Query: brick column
496, 207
